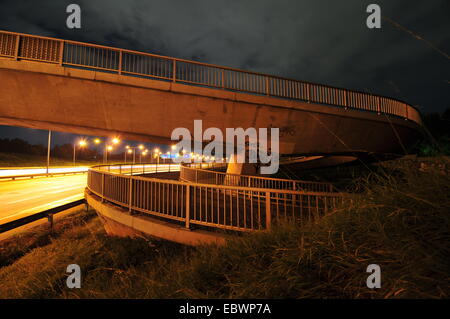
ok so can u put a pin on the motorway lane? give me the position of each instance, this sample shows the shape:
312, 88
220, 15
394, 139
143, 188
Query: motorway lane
31, 171
24, 197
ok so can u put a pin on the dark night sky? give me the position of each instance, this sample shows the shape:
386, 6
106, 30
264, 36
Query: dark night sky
323, 41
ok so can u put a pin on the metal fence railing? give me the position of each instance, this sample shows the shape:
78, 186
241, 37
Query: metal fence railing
217, 206
102, 58
193, 173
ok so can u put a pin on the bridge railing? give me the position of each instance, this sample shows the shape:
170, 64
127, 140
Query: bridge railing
193, 173
108, 59
217, 206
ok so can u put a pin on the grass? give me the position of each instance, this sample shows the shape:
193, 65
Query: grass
400, 220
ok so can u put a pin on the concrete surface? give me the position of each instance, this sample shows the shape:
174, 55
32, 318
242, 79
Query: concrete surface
47, 96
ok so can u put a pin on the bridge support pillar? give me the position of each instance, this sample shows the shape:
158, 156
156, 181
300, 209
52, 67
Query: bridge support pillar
236, 168
241, 168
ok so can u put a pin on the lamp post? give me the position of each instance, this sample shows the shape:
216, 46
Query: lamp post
156, 154
143, 153
96, 142
108, 148
81, 143
132, 149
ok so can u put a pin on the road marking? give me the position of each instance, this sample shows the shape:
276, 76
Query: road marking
68, 189
44, 193
44, 206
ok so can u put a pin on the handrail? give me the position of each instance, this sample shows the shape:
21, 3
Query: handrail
189, 173
128, 62
227, 207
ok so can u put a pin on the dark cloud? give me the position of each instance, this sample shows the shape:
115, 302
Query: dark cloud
324, 41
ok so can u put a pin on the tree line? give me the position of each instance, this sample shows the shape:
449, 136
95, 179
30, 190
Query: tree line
17, 145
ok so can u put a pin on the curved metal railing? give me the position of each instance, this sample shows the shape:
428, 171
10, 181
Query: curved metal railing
127, 62
216, 206
197, 174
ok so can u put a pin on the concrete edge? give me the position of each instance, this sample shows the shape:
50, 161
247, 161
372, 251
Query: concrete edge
118, 222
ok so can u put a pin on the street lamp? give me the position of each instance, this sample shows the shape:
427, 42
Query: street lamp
143, 153
114, 140
156, 154
108, 148
129, 151
132, 149
81, 143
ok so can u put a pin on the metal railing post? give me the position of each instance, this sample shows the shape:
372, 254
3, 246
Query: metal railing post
345, 99
50, 221
130, 199
103, 187
16, 49
174, 70
188, 207
120, 63
379, 105
268, 211
308, 97
61, 53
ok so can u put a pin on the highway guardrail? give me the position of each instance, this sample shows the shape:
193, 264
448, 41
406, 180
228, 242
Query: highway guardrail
14, 177
37, 216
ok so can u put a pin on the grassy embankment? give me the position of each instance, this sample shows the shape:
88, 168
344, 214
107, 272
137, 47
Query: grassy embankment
400, 221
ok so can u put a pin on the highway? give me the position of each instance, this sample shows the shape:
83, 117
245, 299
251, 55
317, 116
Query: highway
30, 171
23, 197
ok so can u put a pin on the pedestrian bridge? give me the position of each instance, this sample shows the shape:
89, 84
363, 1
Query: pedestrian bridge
89, 89
83, 88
